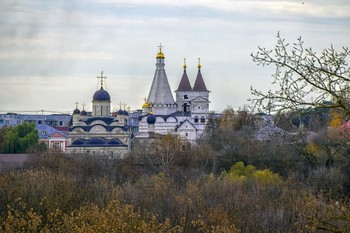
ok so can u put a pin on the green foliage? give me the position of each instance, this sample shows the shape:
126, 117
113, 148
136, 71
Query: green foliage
3, 132
20, 138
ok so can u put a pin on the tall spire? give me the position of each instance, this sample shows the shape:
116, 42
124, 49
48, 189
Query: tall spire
185, 82
199, 84
160, 93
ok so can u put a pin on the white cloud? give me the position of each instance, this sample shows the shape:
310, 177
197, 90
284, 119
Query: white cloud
76, 55
306, 8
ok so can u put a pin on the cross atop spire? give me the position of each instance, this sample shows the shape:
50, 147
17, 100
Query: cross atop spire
199, 84
184, 82
160, 54
160, 47
76, 104
101, 77
83, 104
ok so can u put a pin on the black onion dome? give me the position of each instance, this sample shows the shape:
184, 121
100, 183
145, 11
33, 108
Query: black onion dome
101, 95
83, 113
151, 119
76, 111
120, 112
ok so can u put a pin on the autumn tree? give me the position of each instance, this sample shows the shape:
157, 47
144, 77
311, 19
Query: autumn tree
161, 153
304, 78
231, 137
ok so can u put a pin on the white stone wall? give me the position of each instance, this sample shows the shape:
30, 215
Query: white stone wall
113, 152
180, 100
101, 108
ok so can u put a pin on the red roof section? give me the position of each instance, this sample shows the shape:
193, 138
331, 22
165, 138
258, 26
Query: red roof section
62, 128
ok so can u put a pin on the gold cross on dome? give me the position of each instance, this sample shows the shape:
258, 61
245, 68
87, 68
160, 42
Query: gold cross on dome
83, 105
76, 104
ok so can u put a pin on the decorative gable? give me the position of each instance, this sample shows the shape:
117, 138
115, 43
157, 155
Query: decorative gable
187, 126
56, 135
199, 99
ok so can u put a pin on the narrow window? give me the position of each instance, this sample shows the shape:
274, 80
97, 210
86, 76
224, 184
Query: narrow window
185, 107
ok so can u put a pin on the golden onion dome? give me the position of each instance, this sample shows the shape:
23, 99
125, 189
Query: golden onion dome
160, 55
145, 104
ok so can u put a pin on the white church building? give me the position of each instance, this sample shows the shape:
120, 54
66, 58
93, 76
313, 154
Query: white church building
186, 116
102, 133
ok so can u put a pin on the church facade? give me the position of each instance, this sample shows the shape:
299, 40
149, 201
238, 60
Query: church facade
102, 133
186, 116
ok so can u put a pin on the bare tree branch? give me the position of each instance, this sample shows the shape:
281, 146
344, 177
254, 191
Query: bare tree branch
303, 78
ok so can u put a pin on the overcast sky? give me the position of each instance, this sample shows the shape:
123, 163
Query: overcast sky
52, 51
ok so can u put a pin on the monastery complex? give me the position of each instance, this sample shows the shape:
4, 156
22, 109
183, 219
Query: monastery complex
103, 131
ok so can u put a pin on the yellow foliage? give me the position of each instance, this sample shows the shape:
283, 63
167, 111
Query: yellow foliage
266, 177
337, 119
21, 220
311, 148
240, 172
